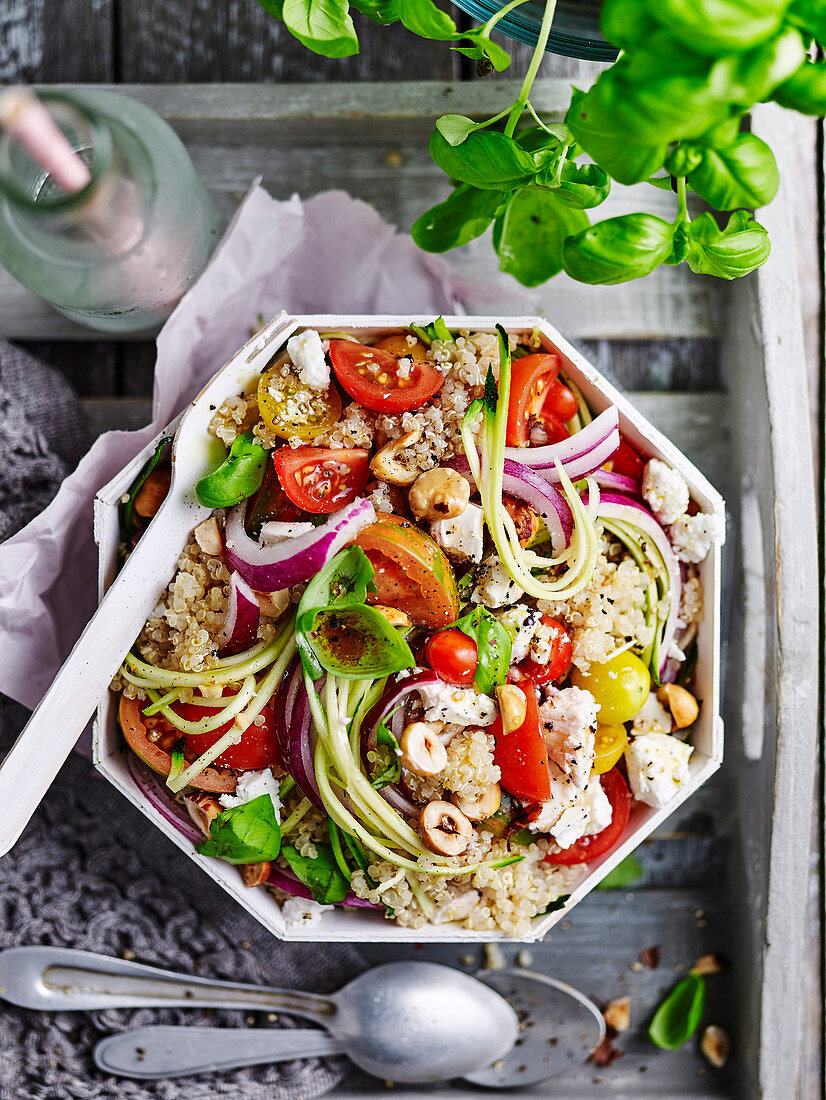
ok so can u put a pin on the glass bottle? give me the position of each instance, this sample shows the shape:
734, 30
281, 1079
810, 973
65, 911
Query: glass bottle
118, 255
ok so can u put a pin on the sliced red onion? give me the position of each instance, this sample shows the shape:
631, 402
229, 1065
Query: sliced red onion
295, 560
628, 510
301, 739
395, 693
240, 627
584, 465
290, 885
533, 487
619, 483
578, 446
160, 799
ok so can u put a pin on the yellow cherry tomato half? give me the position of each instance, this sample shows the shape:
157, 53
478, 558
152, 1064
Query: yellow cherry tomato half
609, 744
620, 685
397, 345
289, 408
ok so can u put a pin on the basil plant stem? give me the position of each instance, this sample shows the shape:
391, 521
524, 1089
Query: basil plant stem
530, 76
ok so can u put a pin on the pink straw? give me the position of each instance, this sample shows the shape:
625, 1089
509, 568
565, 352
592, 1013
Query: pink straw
24, 117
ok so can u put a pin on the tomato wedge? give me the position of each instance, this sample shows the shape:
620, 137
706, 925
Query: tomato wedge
320, 479
626, 461
590, 847
411, 571
560, 658
561, 402
270, 502
257, 748
532, 378
376, 379
136, 729
522, 755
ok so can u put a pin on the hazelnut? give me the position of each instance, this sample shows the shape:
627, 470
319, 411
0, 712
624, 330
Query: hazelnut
682, 704
445, 829
203, 809
512, 706
393, 615
385, 463
481, 807
715, 1045
422, 751
525, 519
707, 964
617, 1013
273, 604
208, 537
439, 494
152, 493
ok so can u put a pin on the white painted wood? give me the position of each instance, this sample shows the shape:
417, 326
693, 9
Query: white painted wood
371, 140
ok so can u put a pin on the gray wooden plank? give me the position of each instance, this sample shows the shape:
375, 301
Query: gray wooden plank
67, 41
90, 368
371, 139
238, 40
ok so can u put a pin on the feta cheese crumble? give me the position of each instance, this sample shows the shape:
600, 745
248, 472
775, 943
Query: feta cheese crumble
657, 767
571, 814
570, 717
303, 911
652, 717
252, 785
521, 623
462, 706
462, 537
494, 588
692, 536
307, 354
664, 490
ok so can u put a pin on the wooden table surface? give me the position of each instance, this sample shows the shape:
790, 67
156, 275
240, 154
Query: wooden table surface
209, 41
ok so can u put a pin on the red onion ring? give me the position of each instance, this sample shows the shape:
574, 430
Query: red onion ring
240, 627
301, 739
290, 885
619, 483
162, 801
577, 446
294, 560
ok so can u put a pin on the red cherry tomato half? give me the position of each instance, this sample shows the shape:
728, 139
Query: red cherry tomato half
560, 660
375, 379
532, 379
319, 479
589, 847
561, 402
553, 427
626, 461
522, 755
257, 748
452, 656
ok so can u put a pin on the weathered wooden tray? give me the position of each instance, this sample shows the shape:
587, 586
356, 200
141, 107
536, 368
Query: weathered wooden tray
737, 859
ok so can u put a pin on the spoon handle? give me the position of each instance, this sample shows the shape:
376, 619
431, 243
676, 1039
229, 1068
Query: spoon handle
63, 979
154, 1052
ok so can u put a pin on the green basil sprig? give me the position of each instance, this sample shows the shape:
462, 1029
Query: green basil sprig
244, 834
679, 1015
320, 873
238, 476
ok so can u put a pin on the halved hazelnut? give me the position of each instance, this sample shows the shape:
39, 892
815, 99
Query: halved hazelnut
525, 519
386, 466
203, 809
273, 604
617, 1013
445, 829
254, 874
512, 706
682, 704
481, 807
208, 537
715, 1045
393, 615
152, 493
422, 751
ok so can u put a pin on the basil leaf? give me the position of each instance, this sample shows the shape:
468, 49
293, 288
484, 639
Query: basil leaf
554, 906
350, 640
529, 233
320, 873
679, 1015
744, 174
810, 16
727, 253
486, 159
683, 159
618, 249
485, 51
625, 24
383, 12
392, 773
591, 123
455, 128
717, 26
346, 577
753, 76
423, 18
493, 647
323, 26
805, 90
244, 834
128, 521
582, 186
238, 476
624, 874
681, 244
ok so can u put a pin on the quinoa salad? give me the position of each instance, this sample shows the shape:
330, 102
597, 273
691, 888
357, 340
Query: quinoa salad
435, 639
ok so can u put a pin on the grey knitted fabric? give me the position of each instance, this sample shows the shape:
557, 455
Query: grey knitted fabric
91, 872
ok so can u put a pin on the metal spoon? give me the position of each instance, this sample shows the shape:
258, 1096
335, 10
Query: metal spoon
558, 1028
31, 764
404, 1021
